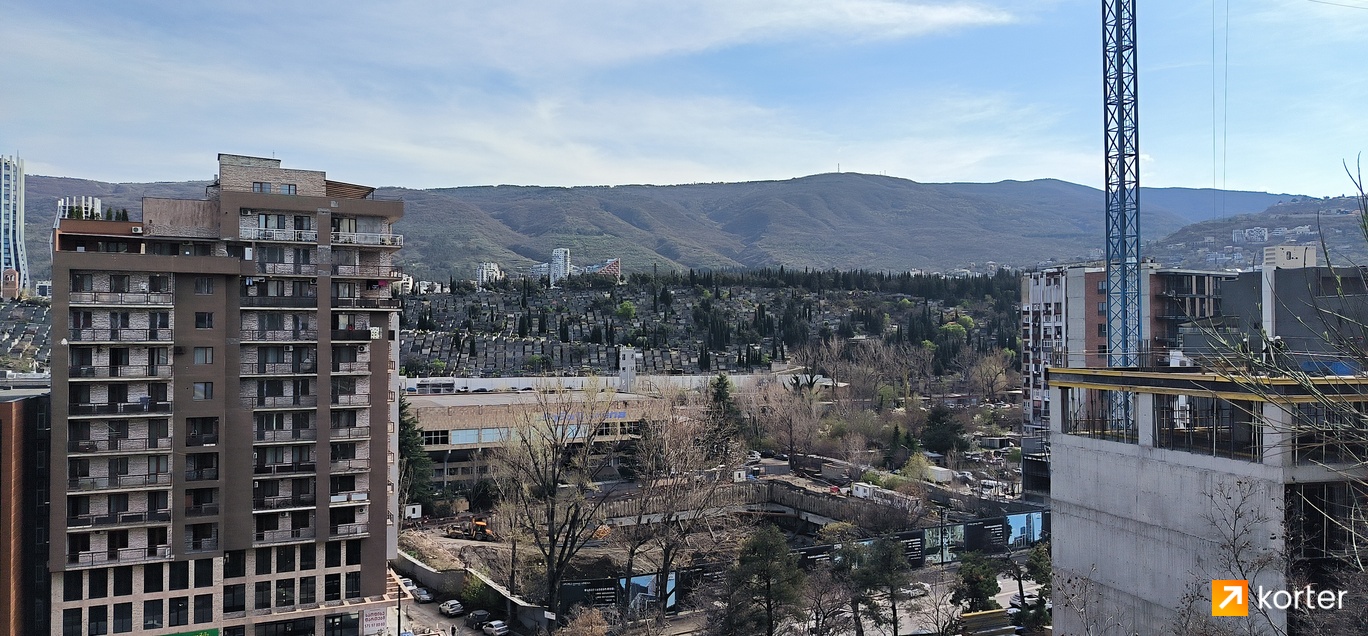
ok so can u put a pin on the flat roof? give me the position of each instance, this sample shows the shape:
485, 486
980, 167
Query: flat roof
13, 395
511, 398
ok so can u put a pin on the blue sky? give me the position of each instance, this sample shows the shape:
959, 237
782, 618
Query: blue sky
450, 92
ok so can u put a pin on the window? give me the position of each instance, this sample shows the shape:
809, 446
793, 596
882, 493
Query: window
180, 575
235, 598
236, 630
82, 282
204, 608
332, 554
99, 621
71, 622
285, 593
178, 611
1102, 308
285, 558
1102, 330
204, 572
263, 595
353, 585
123, 581
433, 438
204, 355
159, 283
287, 188
354, 552
123, 617
234, 564
203, 391
152, 614
204, 320
306, 591
261, 187
99, 583
72, 585
204, 285
263, 560
332, 587
152, 577
307, 559
118, 283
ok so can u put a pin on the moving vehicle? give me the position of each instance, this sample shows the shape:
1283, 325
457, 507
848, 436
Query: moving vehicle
476, 618
451, 608
496, 628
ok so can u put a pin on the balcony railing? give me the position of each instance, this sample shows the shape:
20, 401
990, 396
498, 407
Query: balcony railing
350, 432
202, 439
302, 269
272, 234
119, 334
119, 408
117, 444
283, 501
348, 529
202, 510
351, 367
349, 497
279, 335
279, 301
280, 469
292, 534
367, 271
349, 465
119, 555
202, 544
286, 435
118, 481
367, 238
367, 303
202, 474
118, 518
281, 401
122, 371
351, 400
361, 334
279, 368
121, 298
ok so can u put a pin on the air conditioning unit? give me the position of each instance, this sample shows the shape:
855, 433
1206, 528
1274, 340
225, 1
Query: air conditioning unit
289, 347
284, 514
361, 349
245, 213
136, 229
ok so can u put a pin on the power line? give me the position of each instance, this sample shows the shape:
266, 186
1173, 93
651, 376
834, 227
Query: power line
1339, 4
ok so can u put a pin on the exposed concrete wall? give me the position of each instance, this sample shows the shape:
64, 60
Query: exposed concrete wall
446, 582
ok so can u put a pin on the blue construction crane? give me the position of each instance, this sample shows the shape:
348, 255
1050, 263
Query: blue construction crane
1122, 123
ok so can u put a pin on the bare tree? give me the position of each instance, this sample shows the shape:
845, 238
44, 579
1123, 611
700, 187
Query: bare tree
1080, 602
546, 474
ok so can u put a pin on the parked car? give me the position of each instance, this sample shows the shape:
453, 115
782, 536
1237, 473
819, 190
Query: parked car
476, 618
408, 584
451, 608
1016, 600
496, 628
422, 595
919, 589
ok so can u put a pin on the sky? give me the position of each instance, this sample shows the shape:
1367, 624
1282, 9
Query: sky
1265, 95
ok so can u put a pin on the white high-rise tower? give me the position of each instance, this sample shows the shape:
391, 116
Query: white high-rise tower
12, 252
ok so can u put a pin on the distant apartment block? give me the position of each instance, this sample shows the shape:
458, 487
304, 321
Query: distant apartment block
14, 263
487, 273
25, 424
222, 453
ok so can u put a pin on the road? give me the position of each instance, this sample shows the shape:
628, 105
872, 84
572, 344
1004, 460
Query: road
424, 617
918, 616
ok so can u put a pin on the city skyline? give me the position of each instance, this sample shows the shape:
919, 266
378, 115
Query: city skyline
609, 93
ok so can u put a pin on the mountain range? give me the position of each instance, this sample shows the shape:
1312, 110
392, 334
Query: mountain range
838, 220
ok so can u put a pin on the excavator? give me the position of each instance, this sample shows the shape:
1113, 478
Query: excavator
473, 527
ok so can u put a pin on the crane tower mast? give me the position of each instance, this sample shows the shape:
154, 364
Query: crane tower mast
1122, 145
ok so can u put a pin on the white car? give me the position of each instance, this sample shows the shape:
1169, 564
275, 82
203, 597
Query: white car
918, 590
451, 608
496, 628
408, 585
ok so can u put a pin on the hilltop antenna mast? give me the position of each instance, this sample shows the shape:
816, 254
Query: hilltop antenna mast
1122, 122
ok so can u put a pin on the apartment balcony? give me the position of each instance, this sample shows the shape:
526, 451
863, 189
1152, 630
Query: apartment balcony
104, 299
279, 368
203, 439
350, 432
117, 445
126, 371
346, 466
119, 556
285, 469
284, 502
351, 400
272, 234
367, 303
201, 474
202, 544
119, 408
118, 519
202, 510
367, 238
351, 368
281, 401
286, 435
367, 271
287, 269
279, 302
279, 536
118, 335
348, 530
279, 335
353, 497
118, 482
351, 335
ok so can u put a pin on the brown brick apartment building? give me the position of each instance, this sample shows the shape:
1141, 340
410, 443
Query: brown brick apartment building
223, 400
